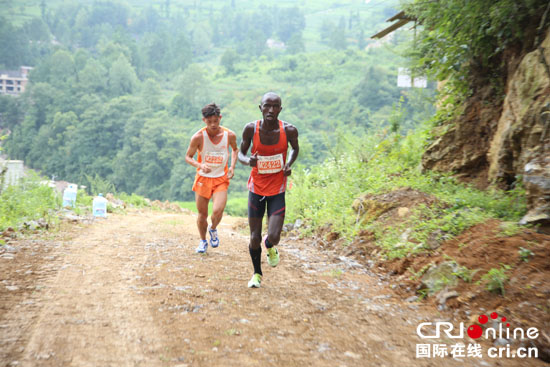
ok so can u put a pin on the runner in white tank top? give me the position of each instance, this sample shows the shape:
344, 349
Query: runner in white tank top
213, 174
214, 155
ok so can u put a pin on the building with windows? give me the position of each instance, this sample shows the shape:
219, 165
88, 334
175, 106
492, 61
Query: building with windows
14, 82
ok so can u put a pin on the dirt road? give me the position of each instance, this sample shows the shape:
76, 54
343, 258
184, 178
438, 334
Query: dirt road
131, 291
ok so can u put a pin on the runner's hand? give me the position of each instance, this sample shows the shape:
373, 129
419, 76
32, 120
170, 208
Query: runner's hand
253, 160
287, 170
205, 168
230, 173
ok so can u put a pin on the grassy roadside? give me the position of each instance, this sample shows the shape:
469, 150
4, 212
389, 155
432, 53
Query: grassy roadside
336, 194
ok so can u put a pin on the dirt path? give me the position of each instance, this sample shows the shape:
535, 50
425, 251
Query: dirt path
130, 291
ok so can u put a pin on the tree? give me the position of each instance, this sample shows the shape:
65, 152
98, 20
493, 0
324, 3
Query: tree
202, 40
110, 51
182, 51
361, 43
147, 21
326, 30
337, 38
377, 89
295, 44
11, 112
122, 77
156, 51
61, 68
37, 30
43, 9
13, 45
167, 8
228, 60
93, 78
193, 85
291, 21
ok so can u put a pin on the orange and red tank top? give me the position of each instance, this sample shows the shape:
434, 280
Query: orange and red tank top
267, 178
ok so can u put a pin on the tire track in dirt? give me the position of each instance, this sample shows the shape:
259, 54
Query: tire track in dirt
92, 317
131, 291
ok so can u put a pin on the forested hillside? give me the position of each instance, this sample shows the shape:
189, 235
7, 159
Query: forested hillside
117, 87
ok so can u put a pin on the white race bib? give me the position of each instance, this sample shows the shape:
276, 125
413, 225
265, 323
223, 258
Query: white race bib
214, 159
270, 164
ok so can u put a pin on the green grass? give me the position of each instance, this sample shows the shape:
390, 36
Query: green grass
377, 164
134, 200
495, 279
30, 200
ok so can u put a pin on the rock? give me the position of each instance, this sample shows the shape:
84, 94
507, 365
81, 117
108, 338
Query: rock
405, 235
72, 218
440, 276
10, 249
443, 296
298, 223
403, 212
323, 347
436, 238
8, 233
287, 227
498, 142
412, 299
32, 225
369, 209
115, 203
540, 217
352, 355
500, 342
43, 223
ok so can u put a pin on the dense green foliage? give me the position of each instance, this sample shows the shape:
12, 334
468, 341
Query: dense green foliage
116, 92
463, 41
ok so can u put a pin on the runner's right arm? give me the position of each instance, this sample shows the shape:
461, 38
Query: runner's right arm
248, 134
194, 145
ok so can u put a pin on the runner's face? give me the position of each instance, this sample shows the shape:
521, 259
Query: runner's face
271, 107
212, 123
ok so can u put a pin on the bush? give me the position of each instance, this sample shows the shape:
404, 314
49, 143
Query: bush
237, 207
29, 200
134, 200
380, 163
495, 279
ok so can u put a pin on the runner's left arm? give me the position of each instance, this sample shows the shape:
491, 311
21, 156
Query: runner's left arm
292, 136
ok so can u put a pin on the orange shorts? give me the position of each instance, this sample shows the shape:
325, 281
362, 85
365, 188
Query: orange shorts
206, 186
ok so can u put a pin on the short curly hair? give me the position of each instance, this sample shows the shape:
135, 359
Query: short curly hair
210, 109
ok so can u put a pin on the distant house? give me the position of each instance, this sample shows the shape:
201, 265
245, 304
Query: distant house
14, 82
274, 44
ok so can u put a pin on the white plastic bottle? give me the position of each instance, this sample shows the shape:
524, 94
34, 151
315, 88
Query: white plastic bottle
69, 195
99, 206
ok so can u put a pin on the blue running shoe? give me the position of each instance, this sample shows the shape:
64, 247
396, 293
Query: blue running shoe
203, 245
214, 240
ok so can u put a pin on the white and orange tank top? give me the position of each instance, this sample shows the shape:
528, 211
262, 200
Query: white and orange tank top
267, 178
215, 155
